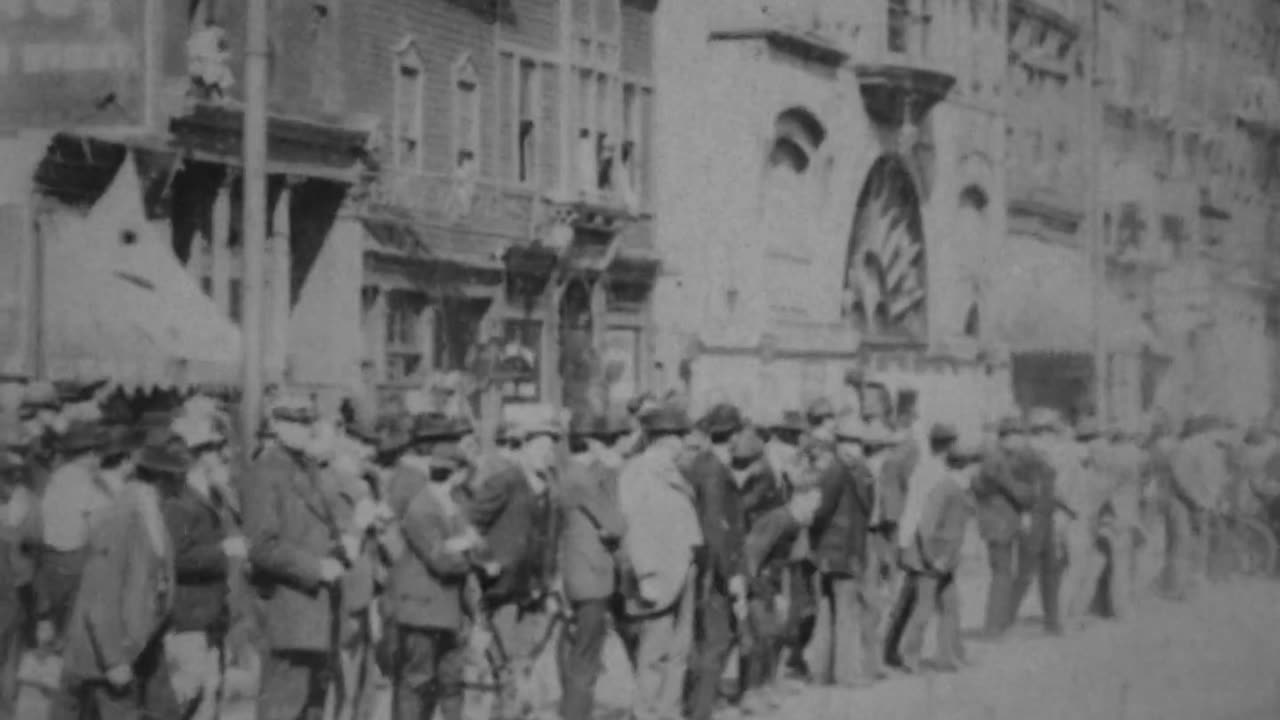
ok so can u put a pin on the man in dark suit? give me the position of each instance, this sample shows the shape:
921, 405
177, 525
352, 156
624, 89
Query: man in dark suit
839, 540
113, 662
593, 528
424, 599
1038, 557
514, 509
722, 577
15, 504
1004, 503
297, 558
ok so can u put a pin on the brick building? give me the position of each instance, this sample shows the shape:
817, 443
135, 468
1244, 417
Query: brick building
455, 185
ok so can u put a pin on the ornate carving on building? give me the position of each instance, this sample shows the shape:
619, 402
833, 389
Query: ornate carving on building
884, 279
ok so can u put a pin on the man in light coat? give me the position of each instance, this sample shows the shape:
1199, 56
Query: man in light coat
663, 536
1087, 489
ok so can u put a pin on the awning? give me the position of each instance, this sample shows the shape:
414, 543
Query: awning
119, 305
404, 238
1043, 302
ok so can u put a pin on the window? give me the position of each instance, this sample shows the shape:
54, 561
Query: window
632, 178
526, 121
405, 335
899, 25
466, 115
236, 301
525, 126
409, 91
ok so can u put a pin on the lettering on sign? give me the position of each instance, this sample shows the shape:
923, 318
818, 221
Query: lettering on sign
62, 60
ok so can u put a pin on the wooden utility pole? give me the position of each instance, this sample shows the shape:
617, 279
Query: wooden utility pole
255, 217
1093, 227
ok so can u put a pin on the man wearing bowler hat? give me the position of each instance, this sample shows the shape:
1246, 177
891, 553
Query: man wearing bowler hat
593, 531
663, 538
297, 558
423, 647
1038, 557
722, 578
114, 664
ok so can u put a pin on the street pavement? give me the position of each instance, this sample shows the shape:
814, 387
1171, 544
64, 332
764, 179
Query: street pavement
1216, 658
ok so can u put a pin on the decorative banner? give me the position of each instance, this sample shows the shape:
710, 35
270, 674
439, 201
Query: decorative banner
72, 63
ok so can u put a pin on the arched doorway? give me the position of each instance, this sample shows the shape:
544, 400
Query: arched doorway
884, 274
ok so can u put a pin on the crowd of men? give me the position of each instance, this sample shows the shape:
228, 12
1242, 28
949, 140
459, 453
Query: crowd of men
817, 547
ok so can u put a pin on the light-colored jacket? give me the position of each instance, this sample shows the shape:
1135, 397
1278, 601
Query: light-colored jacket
74, 495
1199, 470
662, 524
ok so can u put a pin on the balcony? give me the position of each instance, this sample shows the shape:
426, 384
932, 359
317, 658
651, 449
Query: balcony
898, 89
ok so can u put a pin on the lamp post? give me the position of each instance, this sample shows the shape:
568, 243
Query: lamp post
255, 216
1097, 255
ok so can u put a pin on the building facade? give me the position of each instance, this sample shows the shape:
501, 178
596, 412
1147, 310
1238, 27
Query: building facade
458, 191
830, 182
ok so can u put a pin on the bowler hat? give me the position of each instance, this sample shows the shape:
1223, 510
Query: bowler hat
82, 436
450, 454
293, 408
943, 432
791, 421
586, 425
436, 427
164, 457
666, 419
721, 419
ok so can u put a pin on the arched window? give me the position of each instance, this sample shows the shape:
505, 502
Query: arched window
791, 192
409, 97
885, 282
466, 114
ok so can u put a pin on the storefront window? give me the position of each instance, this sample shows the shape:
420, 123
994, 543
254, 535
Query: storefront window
404, 335
578, 359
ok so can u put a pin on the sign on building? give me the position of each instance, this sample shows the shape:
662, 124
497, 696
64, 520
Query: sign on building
72, 63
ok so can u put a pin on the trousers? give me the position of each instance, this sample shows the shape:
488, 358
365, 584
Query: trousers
581, 656
1038, 561
846, 641
294, 685
524, 633
427, 673
928, 594
1123, 569
1083, 570
196, 668
659, 646
149, 697
999, 612
712, 643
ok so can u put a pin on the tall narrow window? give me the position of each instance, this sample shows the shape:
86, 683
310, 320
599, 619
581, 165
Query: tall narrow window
527, 122
404, 339
409, 91
466, 115
899, 23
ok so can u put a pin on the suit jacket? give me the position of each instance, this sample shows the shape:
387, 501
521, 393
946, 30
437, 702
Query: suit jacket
663, 529
761, 493
127, 588
1002, 495
518, 529
767, 549
721, 514
895, 476
290, 520
197, 527
943, 521
425, 587
839, 531
591, 512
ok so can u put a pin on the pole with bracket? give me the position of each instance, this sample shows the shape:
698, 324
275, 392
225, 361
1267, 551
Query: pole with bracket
255, 215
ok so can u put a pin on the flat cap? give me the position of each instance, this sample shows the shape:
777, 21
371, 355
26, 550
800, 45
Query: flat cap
449, 454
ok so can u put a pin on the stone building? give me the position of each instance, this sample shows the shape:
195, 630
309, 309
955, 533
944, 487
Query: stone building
1191, 112
830, 181
453, 186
